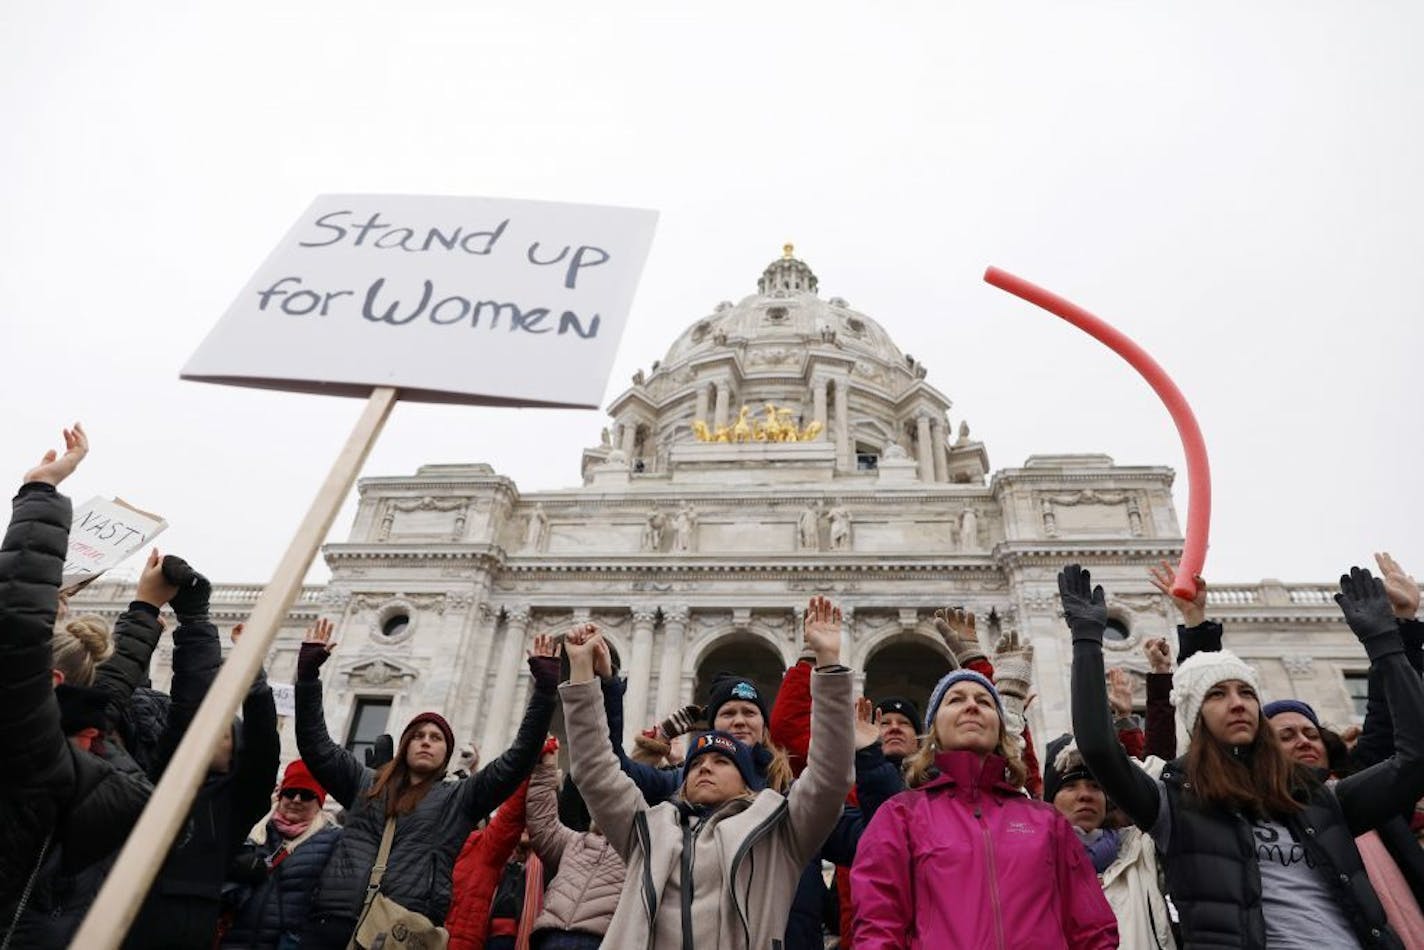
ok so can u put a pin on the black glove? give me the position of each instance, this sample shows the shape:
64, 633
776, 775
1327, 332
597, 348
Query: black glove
1084, 606
1367, 610
545, 670
309, 660
191, 601
381, 751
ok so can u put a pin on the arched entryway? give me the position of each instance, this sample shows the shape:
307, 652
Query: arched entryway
908, 667
744, 655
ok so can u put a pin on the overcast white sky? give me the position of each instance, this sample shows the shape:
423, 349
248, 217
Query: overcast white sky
1237, 186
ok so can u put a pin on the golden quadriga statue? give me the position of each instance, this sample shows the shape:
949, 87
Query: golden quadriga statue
776, 425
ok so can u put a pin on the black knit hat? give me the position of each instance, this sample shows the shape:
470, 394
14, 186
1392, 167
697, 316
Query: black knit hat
903, 706
1062, 763
727, 687
722, 743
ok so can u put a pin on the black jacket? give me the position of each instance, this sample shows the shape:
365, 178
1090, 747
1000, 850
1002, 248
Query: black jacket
276, 905
1212, 875
52, 794
428, 839
183, 905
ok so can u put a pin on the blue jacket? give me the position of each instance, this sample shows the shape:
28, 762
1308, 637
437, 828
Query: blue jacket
277, 907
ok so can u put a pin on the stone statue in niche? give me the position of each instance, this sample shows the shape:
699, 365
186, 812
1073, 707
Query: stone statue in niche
536, 538
1134, 518
969, 530
840, 528
684, 525
605, 439
388, 521
653, 531
1050, 520
808, 528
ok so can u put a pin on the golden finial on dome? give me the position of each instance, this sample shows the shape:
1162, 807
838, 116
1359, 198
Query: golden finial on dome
787, 250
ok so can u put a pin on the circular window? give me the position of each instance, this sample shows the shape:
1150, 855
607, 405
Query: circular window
395, 625
1116, 630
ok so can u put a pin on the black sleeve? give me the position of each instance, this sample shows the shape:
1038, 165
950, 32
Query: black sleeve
1133, 789
136, 635
877, 779
197, 657
1205, 637
336, 769
257, 765
1376, 741
1160, 732
482, 792
1384, 790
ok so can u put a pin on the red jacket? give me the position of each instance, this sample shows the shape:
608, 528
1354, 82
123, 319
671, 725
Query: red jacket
967, 861
477, 873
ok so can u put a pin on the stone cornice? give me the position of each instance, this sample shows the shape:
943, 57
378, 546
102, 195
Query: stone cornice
1058, 551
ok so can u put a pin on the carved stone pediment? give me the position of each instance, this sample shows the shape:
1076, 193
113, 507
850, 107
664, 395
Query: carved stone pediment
380, 672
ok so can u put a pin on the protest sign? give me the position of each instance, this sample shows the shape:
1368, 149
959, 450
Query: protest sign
475, 300
103, 534
285, 696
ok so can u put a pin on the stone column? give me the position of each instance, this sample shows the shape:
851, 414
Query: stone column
640, 672
818, 401
923, 450
501, 712
941, 450
724, 404
844, 455
702, 400
670, 663
847, 625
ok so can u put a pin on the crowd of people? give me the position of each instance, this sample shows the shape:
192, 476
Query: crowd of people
819, 819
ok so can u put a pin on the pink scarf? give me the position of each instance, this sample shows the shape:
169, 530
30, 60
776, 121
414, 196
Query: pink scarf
289, 829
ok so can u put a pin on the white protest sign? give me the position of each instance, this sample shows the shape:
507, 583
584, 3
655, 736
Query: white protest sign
474, 300
103, 534
285, 695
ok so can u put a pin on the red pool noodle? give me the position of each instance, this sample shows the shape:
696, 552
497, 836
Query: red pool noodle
1198, 469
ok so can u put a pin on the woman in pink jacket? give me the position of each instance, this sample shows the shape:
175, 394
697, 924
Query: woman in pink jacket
963, 858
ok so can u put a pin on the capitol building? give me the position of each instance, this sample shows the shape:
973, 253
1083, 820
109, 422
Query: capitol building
783, 447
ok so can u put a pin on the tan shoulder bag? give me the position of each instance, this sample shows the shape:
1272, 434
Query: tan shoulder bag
386, 925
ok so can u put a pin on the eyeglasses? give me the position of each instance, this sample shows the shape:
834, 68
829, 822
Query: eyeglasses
299, 794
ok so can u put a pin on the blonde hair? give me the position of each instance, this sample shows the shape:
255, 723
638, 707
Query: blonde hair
79, 645
920, 767
778, 770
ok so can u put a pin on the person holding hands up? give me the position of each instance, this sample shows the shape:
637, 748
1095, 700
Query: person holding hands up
716, 866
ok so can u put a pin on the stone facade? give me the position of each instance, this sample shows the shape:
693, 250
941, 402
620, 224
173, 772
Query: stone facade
697, 556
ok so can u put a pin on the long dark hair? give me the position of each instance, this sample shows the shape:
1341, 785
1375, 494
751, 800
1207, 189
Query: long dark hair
1256, 779
395, 783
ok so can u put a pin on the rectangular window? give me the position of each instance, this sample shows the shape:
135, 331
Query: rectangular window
368, 723
1357, 685
867, 462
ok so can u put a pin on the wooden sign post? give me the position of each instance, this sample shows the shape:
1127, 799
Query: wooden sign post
472, 300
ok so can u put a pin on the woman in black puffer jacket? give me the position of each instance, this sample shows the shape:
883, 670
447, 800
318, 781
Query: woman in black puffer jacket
433, 817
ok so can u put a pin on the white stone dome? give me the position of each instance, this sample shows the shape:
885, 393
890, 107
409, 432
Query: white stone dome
785, 311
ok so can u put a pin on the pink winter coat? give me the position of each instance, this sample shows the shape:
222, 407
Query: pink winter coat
967, 861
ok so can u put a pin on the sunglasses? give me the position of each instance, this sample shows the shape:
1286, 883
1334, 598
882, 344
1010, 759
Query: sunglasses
299, 794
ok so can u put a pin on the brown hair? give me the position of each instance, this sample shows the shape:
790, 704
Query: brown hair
920, 767
778, 770
1258, 782
78, 646
395, 783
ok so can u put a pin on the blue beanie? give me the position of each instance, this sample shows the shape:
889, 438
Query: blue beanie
959, 676
723, 744
1271, 710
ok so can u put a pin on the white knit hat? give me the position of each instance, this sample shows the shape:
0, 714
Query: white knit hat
1200, 673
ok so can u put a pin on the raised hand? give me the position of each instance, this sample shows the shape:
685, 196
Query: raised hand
823, 631
316, 647
1193, 611
867, 724
544, 662
956, 626
153, 586
680, 722
1085, 607
581, 645
1120, 692
603, 659
1366, 606
1159, 655
1403, 590
55, 468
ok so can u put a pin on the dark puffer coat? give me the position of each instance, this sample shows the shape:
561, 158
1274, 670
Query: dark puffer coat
428, 838
48, 786
278, 907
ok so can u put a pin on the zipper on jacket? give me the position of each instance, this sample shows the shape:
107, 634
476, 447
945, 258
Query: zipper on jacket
650, 896
993, 873
689, 861
755, 835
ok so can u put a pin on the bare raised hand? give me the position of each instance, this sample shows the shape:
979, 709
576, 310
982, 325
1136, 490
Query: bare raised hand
867, 724
55, 468
1159, 654
1193, 611
1403, 589
1120, 692
823, 631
